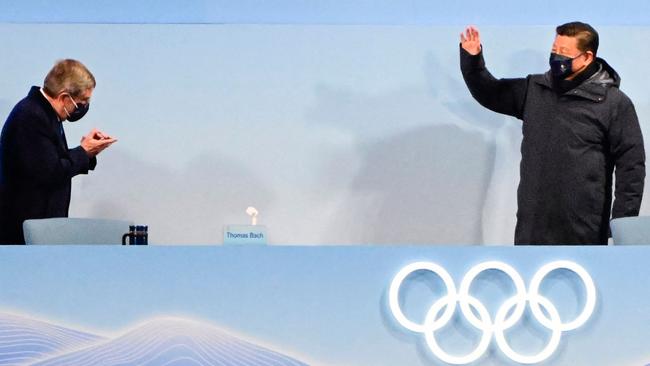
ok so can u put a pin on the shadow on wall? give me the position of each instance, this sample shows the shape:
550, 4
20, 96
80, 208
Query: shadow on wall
424, 166
196, 201
448, 172
420, 187
425, 182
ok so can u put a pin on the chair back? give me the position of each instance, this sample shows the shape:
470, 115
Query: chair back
65, 230
631, 230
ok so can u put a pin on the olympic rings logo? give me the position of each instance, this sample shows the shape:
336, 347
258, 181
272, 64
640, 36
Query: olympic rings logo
484, 322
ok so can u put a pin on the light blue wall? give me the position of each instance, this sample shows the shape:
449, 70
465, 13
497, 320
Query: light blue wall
336, 133
328, 305
436, 12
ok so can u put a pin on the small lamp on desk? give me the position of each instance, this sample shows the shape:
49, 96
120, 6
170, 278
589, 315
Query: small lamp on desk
252, 212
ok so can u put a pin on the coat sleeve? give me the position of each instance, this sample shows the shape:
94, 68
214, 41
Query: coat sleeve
505, 96
38, 157
626, 148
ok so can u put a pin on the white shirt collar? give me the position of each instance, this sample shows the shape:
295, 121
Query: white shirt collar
48, 100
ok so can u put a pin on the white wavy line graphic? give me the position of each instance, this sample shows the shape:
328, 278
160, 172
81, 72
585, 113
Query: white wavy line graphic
260, 351
21, 321
43, 332
183, 359
24, 340
169, 340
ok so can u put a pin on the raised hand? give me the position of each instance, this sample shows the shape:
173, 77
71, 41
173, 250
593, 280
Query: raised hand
470, 40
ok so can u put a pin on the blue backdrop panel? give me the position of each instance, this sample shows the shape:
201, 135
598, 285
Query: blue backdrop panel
504, 12
336, 134
303, 305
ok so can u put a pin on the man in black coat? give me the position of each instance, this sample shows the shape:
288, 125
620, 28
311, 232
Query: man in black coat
36, 165
578, 127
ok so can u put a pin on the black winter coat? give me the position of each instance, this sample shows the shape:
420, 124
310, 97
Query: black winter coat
36, 166
572, 142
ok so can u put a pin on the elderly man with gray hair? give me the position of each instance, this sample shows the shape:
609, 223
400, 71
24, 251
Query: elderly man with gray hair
36, 165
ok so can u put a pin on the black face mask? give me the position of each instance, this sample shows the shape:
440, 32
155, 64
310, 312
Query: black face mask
79, 111
561, 66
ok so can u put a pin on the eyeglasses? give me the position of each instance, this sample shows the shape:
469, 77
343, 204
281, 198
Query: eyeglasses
83, 102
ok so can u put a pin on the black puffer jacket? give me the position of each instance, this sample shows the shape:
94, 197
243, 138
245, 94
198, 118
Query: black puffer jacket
571, 144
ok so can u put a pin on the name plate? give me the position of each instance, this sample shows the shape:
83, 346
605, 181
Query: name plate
244, 234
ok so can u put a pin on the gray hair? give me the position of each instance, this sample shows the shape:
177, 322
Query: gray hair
68, 76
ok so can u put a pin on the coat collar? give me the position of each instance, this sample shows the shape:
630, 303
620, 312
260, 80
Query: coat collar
55, 122
594, 88
36, 95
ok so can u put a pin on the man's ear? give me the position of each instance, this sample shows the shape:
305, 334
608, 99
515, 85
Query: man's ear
60, 97
590, 56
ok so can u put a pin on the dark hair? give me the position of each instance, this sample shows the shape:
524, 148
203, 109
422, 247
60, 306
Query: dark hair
586, 35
